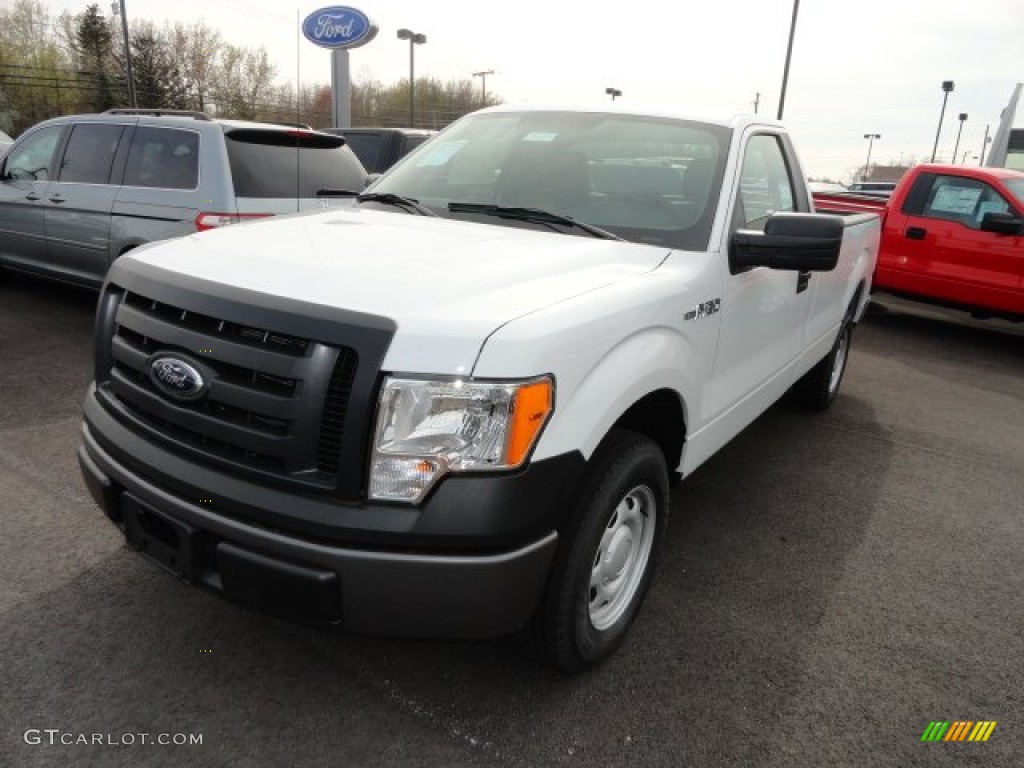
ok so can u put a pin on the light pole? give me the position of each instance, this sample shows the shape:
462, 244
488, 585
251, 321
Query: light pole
483, 84
871, 140
757, 101
119, 8
963, 119
984, 146
789, 55
613, 92
947, 86
414, 38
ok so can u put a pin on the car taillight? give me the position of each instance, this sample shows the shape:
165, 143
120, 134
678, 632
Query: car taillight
205, 221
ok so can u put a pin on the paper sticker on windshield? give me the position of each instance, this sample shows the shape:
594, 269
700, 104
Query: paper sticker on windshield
441, 154
540, 136
956, 200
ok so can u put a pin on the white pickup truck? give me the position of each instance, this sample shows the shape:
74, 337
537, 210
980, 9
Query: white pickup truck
455, 409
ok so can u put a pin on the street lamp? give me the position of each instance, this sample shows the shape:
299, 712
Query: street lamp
947, 86
483, 84
414, 38
871, 140
119, 8
613, 92
963, 119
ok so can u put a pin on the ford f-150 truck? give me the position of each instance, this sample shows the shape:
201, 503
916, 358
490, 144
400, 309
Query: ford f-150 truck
951, 235
455, 409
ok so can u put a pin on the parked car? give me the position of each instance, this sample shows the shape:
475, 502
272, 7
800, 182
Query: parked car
380, 148
879, 188
464, 421
952, 235
76, 192
5, 143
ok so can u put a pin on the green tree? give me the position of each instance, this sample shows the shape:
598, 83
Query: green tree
93, 43
158, 79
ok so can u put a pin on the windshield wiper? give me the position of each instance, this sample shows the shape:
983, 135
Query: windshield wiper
332, 192
390, 198
531, 214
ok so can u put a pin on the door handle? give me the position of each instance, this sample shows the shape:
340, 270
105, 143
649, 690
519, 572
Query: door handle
32, 197
916, 233
56, 199
803, 279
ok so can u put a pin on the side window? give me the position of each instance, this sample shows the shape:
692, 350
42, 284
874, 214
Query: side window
765, 183
163, 157
32, 159
964, 200
89, 154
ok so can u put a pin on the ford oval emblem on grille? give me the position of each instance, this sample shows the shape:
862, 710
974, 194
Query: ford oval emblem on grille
176, 377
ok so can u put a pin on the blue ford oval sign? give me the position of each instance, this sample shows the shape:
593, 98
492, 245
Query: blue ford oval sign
177, 378
339, 26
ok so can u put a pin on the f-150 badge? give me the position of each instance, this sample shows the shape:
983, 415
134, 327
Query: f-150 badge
704, 309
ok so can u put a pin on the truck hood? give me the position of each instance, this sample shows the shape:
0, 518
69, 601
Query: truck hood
447, 284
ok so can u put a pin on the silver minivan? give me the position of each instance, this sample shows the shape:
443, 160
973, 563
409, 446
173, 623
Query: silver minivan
78, 191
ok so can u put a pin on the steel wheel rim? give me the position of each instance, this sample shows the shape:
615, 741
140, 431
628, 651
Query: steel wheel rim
839, 364
621, 558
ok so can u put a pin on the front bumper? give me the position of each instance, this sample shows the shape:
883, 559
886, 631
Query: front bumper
405, 589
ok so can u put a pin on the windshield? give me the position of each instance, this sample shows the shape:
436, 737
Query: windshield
1017, 187
645, 179
289, 164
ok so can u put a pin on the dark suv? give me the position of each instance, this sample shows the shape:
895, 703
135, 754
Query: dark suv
78, 191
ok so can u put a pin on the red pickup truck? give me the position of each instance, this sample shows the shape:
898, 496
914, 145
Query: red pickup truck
951, 235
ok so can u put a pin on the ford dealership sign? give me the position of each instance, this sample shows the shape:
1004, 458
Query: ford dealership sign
339, 27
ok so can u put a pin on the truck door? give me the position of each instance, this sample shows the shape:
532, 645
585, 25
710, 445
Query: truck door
936, 247
763, 310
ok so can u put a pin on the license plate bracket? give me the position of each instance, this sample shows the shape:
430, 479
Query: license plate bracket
168, 542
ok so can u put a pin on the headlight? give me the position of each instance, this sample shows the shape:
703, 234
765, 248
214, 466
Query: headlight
426, 429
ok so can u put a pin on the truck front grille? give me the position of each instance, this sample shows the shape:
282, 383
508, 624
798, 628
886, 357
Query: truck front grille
276, 403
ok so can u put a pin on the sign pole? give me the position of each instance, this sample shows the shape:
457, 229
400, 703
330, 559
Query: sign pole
341, 89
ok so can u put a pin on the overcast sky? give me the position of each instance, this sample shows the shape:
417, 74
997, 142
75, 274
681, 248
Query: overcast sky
869, 66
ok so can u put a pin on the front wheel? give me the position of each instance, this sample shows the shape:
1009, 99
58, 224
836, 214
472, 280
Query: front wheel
819, 386
607, 554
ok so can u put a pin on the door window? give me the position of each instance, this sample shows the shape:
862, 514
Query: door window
89, 154
964, 200
163, 157
32, 159
765, 183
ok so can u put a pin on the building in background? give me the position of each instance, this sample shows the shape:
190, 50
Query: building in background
1008, 145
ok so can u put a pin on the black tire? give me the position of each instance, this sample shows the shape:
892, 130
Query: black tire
817, 389
609, 536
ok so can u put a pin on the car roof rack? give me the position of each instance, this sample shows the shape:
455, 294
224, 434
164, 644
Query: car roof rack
160, 113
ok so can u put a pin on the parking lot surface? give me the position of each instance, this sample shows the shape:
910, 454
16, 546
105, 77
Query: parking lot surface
830, 585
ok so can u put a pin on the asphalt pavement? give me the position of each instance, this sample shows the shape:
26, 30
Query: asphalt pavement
830, 585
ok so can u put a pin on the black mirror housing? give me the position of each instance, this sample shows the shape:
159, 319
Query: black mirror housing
1002, 223
803, 242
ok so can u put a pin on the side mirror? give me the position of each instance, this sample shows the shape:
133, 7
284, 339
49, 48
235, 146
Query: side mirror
804, 242
1002, 223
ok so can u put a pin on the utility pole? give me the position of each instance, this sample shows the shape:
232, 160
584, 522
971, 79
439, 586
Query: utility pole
789, 56
483, 84
119, 7
757, 101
